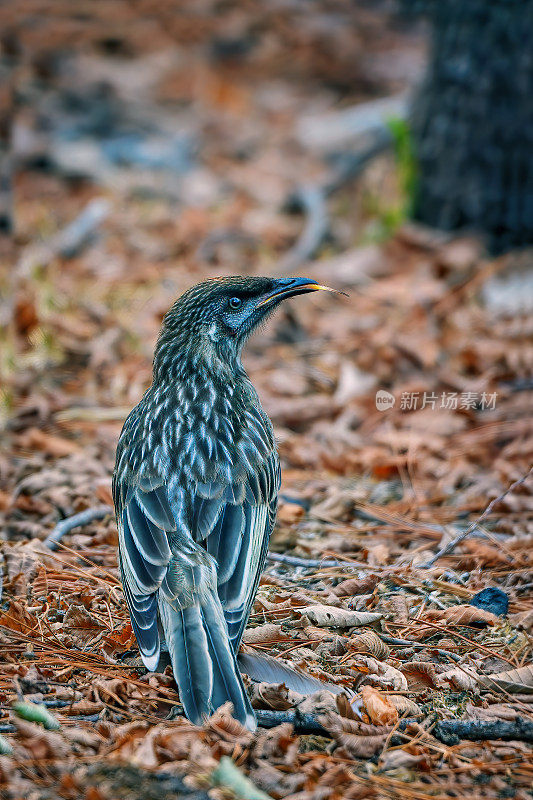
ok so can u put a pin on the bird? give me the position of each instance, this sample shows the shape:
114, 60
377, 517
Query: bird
195, 490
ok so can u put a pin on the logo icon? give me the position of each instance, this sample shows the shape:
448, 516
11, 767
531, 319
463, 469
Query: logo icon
384, 400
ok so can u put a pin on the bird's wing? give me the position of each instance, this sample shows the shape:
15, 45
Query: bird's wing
235, 523
144, 520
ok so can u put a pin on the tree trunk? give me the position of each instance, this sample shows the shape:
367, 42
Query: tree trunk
472, 121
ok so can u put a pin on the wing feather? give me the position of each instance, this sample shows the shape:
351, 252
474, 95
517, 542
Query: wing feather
239, 541
145, 519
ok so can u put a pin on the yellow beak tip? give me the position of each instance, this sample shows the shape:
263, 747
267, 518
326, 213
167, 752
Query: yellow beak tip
320, 287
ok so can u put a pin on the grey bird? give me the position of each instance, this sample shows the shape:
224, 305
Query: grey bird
195, 489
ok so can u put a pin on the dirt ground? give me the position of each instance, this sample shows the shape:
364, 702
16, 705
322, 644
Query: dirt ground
155, 145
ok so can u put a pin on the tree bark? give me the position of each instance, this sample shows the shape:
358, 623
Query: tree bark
472, 121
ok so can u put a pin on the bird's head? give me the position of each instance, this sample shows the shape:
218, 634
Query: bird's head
216, 317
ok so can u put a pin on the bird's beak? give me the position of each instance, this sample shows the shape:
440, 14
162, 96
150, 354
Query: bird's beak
289, 287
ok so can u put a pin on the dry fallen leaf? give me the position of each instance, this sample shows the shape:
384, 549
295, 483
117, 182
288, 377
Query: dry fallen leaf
369, 642
381, 674
359, 739
464, 678
420, 675
274, 696
405, 706
462, 615
355, 586
516, 681
378, 707
57, 446
269, 632
332, 617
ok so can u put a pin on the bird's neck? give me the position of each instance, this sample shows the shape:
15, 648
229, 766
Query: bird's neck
204, 364
176, 359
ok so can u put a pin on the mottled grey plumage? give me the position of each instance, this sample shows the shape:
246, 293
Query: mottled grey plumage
195, 490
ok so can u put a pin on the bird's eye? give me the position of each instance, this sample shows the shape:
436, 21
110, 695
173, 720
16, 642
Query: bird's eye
235, 303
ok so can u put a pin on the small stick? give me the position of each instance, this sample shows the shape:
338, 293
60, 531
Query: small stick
447, 549
99, 512
302, 723
76, 521
296, 561
313, 201
449, 731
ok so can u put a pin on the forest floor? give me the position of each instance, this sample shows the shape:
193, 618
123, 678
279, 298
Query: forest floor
173, 140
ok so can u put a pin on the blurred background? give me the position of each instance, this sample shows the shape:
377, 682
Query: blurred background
382, 148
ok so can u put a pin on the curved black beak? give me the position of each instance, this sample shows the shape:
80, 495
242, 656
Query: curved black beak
289, 287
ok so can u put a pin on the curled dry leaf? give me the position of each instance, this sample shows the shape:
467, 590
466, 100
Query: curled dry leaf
335, 646
86, 737
269, 632
23, 561
349, 707
523, 620
112, 690
273, 780
398, 759
18, 618
312, 632
277, 742
182, 743
319, 703
369, 642
36, 439
516, 681
38, 741
464, 678
224, 725
83, 707
405, 706
420, 675
399, 609
378, 555
332, 617
381, 674
359, 739
378, 707
274, 696
462, 615
81, 624
352, 586
145, 755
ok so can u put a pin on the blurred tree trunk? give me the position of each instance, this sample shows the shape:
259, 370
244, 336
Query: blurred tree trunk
472, 120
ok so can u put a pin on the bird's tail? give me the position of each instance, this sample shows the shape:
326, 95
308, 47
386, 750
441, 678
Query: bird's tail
203, 662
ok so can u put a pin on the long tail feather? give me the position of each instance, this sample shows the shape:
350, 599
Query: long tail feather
227, 681
260, 667
187, 644
203, 662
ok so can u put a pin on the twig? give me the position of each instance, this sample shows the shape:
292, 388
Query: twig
311, 200
449, 731
76, 521
327, 132
302, 723
68, 242
448, 548
524, 587
296, 561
